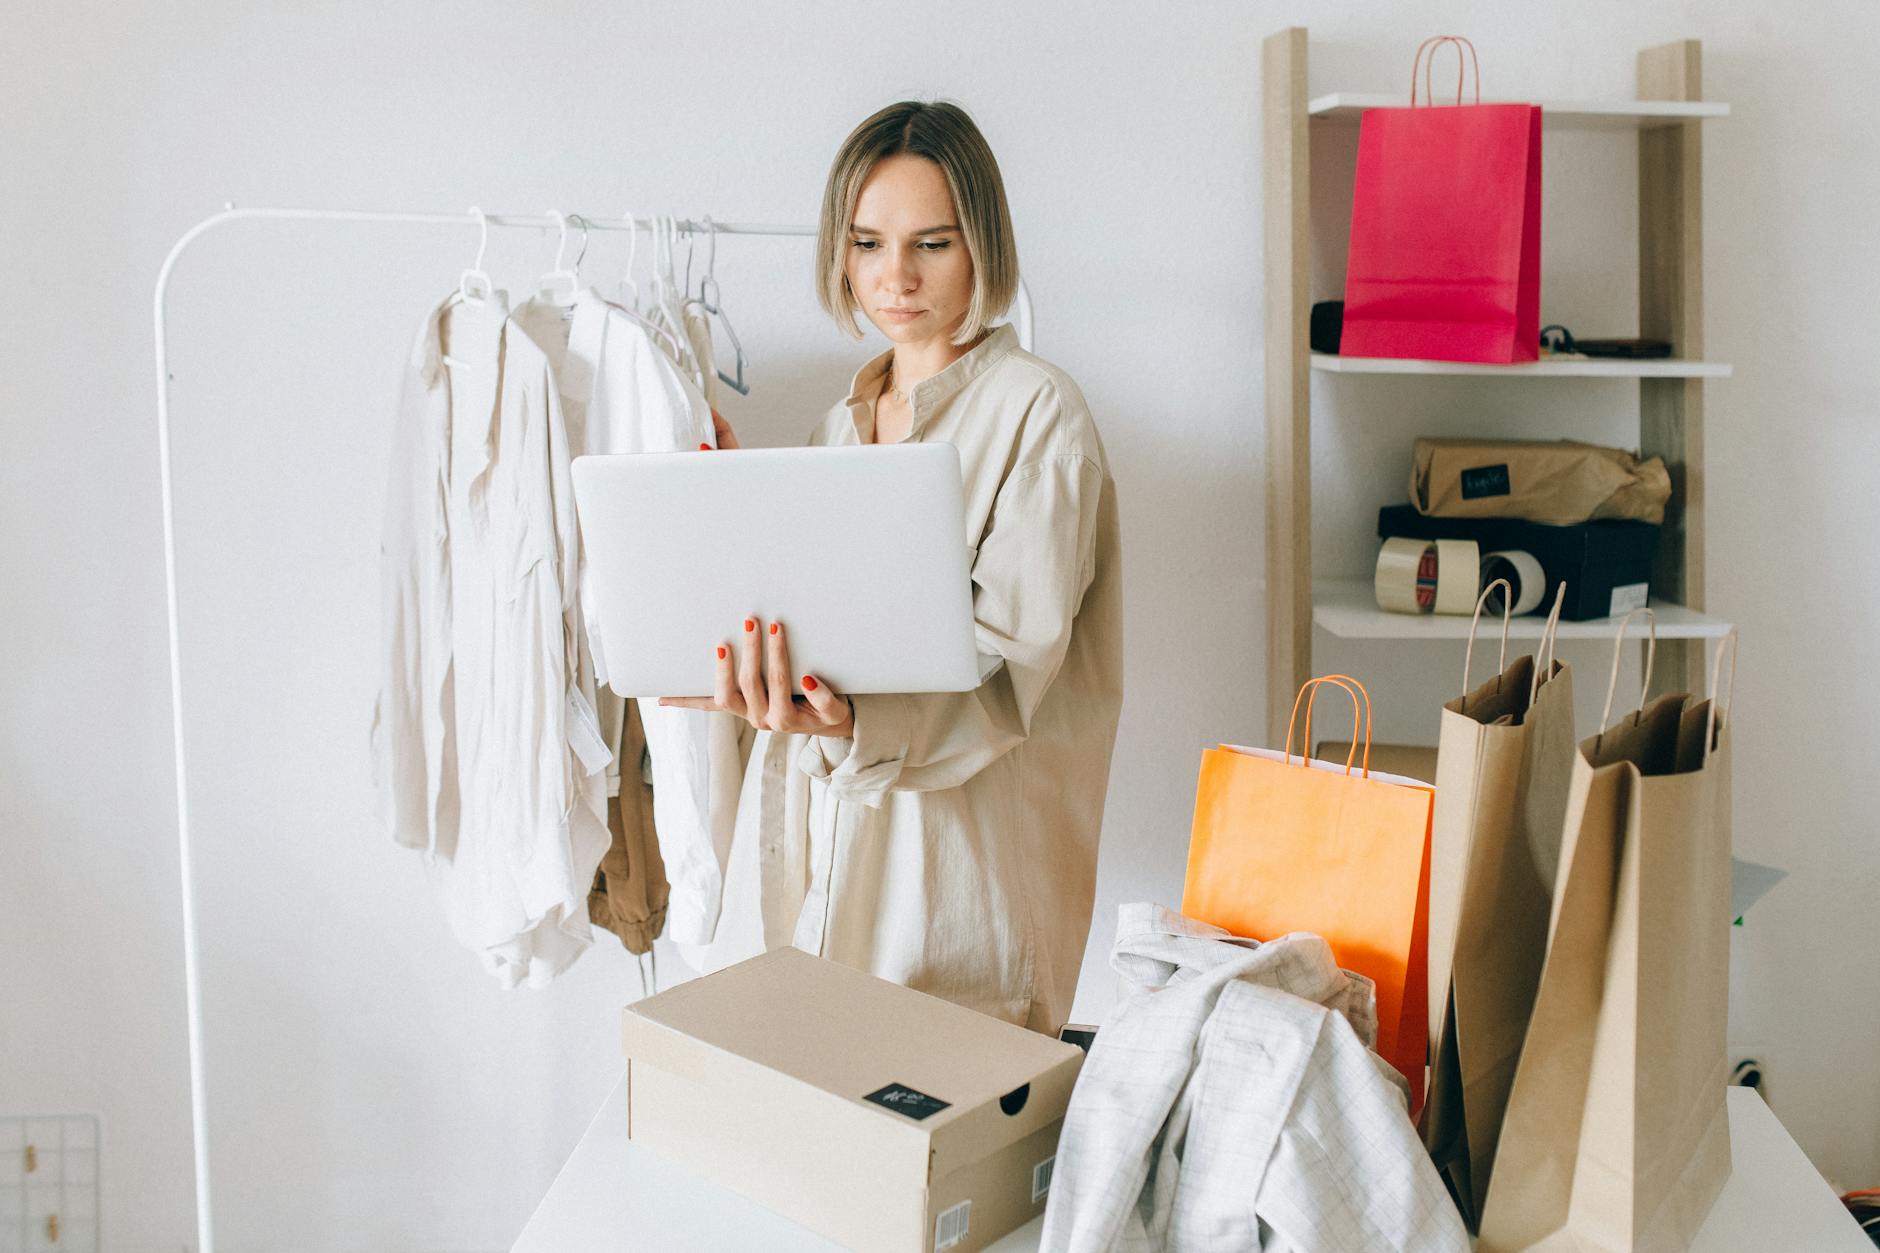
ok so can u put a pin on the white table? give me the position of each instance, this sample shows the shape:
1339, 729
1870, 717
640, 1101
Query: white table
614, 1195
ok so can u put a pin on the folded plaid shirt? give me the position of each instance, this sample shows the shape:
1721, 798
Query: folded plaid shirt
1234, 1103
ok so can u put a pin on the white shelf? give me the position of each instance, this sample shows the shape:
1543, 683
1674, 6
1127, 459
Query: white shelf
1599, 368
1348, 106
1348, 609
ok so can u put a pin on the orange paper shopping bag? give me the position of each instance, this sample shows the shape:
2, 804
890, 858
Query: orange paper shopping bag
1282, 845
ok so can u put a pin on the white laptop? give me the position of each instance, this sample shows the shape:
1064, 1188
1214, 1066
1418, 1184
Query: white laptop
860, 552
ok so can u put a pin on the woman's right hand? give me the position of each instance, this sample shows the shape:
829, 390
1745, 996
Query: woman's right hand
722, 432
758, 690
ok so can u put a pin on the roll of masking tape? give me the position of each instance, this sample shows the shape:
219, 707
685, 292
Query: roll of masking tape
1524, 574
1406, 576
1417, 575
1458, 575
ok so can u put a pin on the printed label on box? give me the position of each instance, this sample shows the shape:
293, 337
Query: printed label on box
1481, 481
1041, 1178
950, 1228
905, 1100
1629, 596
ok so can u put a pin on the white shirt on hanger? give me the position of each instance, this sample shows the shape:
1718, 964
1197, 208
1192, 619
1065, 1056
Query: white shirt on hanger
622, 394
485, 746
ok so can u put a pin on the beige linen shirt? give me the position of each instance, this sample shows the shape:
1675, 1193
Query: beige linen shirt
486, 750
951, 844
620, 394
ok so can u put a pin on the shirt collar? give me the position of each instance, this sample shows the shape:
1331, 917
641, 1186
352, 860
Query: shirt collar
427, 354
586, 333
930, 394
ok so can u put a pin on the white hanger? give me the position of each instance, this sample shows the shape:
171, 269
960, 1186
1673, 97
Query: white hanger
662, 261
629, 302
560, 284
670, 275
711, 259
708, 296
475, 286
664, 311
629, 286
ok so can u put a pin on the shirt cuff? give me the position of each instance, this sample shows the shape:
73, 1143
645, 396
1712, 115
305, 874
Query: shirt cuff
865, 766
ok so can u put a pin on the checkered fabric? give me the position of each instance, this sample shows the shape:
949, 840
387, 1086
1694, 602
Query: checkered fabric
1232, 1103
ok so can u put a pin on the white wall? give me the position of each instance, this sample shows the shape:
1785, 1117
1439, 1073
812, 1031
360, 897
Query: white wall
371, 1089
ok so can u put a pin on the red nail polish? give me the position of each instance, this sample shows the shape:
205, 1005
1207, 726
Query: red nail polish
773, 628
721, 652
704, 447
809, 683
749, 625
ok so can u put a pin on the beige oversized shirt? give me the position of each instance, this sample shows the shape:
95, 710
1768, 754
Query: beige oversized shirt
485, 747
951, 845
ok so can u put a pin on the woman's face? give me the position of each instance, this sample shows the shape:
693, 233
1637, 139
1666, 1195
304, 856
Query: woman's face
907, 262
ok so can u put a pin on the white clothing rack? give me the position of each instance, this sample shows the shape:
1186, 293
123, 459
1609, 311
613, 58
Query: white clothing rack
192, 980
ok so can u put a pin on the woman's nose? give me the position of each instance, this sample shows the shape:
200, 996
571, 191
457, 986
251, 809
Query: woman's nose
897, 274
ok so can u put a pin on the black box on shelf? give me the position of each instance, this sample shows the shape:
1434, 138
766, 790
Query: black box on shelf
1607, 566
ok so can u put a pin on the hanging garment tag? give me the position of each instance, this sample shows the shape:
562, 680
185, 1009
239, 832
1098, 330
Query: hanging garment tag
584, 734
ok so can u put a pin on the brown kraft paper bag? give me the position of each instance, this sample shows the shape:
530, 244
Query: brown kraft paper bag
1560, 483
1616, 1138
1504, 763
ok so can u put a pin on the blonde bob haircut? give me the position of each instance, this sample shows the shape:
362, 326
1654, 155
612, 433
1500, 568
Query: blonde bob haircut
945, 135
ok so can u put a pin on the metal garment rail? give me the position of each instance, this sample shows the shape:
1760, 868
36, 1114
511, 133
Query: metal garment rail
192, 977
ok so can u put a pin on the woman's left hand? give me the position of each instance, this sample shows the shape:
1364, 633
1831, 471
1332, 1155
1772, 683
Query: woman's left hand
758, 689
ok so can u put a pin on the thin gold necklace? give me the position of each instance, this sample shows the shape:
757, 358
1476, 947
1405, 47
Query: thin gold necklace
887, 384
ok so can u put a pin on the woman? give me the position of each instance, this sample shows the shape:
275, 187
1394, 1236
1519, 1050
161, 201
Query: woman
944, 841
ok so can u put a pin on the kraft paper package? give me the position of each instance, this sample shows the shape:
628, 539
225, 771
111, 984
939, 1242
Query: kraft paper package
1616, 1137
1503, 766
1561, 483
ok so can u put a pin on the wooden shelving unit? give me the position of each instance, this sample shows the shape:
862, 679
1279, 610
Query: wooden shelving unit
1667, 120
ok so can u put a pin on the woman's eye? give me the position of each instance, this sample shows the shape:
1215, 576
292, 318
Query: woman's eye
926, 245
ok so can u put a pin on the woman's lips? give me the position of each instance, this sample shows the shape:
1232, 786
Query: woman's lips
902, 315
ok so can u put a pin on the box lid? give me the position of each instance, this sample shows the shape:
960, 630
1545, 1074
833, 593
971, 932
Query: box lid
848, 1035
1601, 538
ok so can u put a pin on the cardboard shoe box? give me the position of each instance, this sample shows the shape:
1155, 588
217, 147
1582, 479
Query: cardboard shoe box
1607, 565
880, 1117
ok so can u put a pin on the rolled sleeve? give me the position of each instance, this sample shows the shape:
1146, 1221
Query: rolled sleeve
864, 766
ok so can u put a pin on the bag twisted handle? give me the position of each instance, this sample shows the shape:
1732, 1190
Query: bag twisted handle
1618, 651
1361, 719
1457, 42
